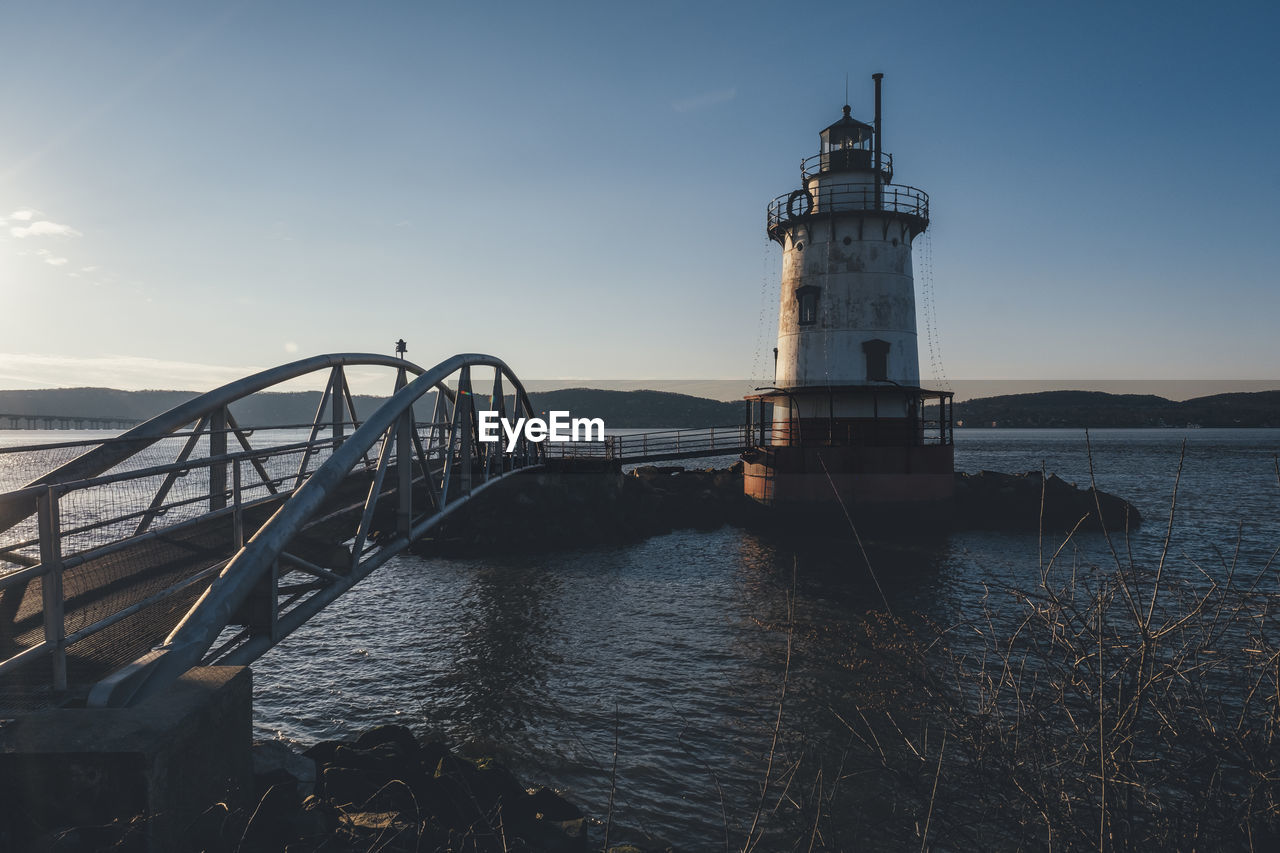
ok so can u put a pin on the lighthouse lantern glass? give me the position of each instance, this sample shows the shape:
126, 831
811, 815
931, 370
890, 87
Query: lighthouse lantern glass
845, 139
847, 144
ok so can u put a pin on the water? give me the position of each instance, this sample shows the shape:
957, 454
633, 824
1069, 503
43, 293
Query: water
677, 644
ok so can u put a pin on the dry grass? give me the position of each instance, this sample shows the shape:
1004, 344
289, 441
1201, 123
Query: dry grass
1109, 707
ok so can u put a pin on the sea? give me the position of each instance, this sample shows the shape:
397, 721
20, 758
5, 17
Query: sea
651, 673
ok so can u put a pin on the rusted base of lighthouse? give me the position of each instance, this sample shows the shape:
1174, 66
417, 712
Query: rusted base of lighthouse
885, 486
864, 458
883, 478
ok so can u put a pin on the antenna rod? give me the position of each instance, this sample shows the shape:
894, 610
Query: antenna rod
876, 165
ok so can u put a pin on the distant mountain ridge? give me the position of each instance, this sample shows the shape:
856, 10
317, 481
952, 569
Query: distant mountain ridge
619, 409
267, 408
1100, 409
661, 409
640, 409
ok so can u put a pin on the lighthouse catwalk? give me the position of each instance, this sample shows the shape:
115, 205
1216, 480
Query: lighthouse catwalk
846, 420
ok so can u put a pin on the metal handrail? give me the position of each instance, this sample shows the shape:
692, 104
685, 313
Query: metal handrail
464, 474
638, 447
30, 493
878, 434
119, 439
92, 470
890, 198
107, 455
811, 166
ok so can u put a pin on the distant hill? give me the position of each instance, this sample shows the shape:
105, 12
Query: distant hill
1099, 409
268, 408
658, 409
619, 409
640, 409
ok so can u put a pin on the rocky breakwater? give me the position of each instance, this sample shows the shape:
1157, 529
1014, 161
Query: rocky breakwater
1031, 501
551, 510
388, 791
385, 790
559, 509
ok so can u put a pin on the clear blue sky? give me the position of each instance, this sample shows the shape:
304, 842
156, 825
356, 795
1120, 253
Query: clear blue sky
580, 188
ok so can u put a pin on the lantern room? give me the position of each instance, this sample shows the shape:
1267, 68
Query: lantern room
847, 144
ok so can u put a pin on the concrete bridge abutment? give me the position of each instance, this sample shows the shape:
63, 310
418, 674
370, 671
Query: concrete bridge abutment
168, 760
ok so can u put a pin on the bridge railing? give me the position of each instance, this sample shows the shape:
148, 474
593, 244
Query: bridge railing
146, 494
656, 445
81, 523
21, 420
159, 509
411, 476
71, 547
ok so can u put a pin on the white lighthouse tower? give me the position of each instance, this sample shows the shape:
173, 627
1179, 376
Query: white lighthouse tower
847, 417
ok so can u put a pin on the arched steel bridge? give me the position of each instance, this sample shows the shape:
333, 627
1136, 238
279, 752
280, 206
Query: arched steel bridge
191, 539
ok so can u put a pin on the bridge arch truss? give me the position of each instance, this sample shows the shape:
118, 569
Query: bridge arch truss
292, 538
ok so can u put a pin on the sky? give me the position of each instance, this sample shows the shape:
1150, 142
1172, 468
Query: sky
190, 192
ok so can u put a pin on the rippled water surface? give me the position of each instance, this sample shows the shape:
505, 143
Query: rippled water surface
676, 646
675, 643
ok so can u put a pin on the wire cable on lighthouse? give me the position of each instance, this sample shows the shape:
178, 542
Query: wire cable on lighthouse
929, 311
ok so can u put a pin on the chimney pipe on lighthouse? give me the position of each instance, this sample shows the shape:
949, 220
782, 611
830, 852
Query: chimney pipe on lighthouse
876, 165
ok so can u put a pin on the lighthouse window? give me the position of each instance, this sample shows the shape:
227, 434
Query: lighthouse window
877, 352
807, 297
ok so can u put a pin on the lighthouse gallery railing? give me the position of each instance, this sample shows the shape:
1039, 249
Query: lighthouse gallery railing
890, 198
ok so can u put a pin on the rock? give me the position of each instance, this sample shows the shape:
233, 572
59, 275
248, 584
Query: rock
372, 820
388, 832
270, 827
387, 759
272, 757
990, 499
728, 480
431, 753
322, 752
345, 786
398, 735
552, 806
316, 818
383, 791
653, 472
447, 802
548, 823
492, 784
211, 825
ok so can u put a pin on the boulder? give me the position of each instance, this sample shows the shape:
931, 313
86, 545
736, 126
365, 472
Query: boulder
994, 500
398, 735
273, 757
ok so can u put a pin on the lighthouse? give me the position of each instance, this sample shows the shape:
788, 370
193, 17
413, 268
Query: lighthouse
846, 420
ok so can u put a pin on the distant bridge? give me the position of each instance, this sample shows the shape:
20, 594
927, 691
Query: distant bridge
29, 421
180, 542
